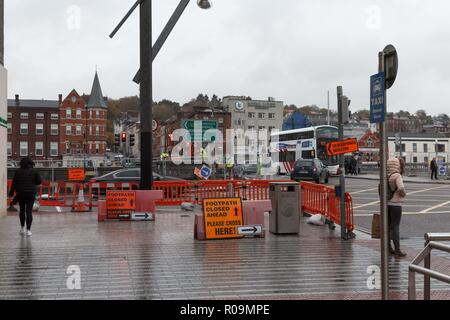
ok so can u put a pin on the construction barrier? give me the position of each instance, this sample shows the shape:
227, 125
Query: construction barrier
316, 198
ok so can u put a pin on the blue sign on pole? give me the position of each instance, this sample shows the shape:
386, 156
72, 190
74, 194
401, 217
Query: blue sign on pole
205, 172
377, 98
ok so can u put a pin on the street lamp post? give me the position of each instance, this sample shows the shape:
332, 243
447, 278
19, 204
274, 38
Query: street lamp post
144, 75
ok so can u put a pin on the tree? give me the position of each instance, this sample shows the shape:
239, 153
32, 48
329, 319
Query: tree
363, 114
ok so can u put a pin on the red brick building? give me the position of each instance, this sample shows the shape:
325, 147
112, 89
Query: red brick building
33, 129
369, 146
83, 126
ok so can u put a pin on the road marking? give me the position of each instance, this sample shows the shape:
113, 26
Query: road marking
408, 194
362, 215
58, 209
362, 191
435, 207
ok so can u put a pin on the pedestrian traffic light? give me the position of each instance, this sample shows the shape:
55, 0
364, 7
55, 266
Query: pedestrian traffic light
117, 140
124, 136
131, 140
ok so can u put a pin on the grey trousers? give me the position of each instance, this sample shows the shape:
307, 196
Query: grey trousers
394, 219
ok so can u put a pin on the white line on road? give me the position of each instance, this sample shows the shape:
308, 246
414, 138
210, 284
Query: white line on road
58, 209
408, 194
435, 207
362, 191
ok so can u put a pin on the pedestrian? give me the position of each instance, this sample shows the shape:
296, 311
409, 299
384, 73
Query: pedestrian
434, 169
396, 196
354, 164
24, 184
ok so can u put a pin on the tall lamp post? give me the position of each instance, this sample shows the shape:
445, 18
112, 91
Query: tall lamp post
144, 75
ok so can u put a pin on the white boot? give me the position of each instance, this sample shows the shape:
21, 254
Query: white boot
29, 233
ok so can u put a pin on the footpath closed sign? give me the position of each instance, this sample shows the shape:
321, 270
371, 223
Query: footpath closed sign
342, 147
120, 204
75, 174
222, 218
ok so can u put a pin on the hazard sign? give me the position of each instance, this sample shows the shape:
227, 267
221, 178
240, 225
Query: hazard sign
222, 218
342, 147
75, 174
121, 200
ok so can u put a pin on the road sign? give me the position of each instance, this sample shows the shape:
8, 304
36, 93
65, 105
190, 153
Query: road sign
390, 65
198, 173
142, 216
120, 200
397, 139
222, 217
192, 125
342, 147
205, 172
442, 170
377, 98
250, 230
75, 174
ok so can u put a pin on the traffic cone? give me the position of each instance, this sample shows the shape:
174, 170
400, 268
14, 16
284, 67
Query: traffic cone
80, 204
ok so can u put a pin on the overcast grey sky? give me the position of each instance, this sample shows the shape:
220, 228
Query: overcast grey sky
293, 50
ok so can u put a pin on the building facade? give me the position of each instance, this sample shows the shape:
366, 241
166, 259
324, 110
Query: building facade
33, 129
369, 147
420, 148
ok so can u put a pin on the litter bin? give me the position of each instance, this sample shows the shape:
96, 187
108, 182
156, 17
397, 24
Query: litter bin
286, 207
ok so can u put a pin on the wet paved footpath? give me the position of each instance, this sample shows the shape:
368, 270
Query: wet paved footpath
161, 260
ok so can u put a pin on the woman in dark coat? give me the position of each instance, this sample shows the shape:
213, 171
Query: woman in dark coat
25, 183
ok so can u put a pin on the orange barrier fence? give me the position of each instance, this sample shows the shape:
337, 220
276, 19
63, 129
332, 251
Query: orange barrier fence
316, 198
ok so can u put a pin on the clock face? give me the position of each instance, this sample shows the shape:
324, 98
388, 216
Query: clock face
74, 99
239, 105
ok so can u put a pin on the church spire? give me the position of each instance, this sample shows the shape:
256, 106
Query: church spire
96, 99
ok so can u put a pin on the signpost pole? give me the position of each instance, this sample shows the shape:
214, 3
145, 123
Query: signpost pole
383, 198
341, 164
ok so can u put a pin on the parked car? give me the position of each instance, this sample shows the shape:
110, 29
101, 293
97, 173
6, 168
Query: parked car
310, 170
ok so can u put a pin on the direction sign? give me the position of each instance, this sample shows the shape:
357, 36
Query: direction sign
200, 125
250, 230
222, 217
342, 147
377, 98
205, 172
142, 216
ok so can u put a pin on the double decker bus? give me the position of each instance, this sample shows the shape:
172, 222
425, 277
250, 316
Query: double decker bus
286, 147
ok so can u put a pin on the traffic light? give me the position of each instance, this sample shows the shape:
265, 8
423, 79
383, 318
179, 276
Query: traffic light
124, 136
131, 140
117, 140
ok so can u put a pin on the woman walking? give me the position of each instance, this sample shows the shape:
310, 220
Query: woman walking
395, 168
24, 184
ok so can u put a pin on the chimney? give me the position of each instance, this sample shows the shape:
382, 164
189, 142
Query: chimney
60, 98
17, 100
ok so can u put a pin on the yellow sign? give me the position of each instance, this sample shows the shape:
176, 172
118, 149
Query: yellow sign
121, 200
222, 217
75, 174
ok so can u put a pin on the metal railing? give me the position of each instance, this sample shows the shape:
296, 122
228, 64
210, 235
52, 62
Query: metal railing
425, 256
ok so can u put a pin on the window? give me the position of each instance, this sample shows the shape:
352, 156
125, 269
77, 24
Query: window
397, 148
251, 127
97, 148
54, 149
425, 147
68, 113
9, 148
39, 129
9, 126
97, 114
39, 151
271, 115
23, 148
425, 160
78, 114
54, 116
415, 159
370, 143
261, 115
415, 148
78, 130
220, 120
261, 128
24, 128
54, 129
24, 115
40, 116
97, 130
440, 147
9, 115
68, 130
251, 115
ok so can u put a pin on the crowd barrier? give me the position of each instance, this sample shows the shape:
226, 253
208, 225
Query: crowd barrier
316, 198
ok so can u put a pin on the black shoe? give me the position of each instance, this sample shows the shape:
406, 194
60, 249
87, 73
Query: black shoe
399, 254
391, 250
